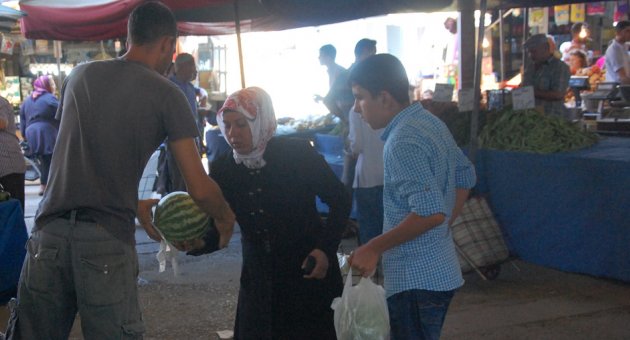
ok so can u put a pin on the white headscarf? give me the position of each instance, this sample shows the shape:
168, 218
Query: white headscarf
255, 104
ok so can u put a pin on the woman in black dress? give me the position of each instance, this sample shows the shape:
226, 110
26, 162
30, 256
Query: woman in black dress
272, 184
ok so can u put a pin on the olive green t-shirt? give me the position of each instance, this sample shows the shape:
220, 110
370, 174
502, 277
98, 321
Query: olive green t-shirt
114, 114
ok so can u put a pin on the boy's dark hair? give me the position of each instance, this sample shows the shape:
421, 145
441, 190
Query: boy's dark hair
621, 25
328, 50
382, 72
149, 22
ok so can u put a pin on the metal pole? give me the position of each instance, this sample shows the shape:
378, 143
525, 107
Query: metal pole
525, 30
58, 51
474, 120
501, 46
238, 41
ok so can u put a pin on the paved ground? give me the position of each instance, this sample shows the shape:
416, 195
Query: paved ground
526, 301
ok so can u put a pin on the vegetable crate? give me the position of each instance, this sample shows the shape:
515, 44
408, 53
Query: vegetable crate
478, 239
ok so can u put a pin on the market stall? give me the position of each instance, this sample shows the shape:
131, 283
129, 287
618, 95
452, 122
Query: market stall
558, 209
567, 210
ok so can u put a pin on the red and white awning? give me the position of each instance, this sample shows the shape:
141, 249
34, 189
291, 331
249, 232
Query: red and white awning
107, 19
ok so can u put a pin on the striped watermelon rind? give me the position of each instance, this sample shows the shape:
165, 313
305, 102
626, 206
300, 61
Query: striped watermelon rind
179, 218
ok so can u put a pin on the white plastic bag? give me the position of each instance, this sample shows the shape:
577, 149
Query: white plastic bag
344, 264
361, 311
167, 252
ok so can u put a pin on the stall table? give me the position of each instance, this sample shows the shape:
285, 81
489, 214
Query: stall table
569, 211
331, 148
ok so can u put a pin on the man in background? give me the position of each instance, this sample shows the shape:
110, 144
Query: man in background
366, 147
579, 38
548, 75
617, 59
327, 56
363, 49
184, 72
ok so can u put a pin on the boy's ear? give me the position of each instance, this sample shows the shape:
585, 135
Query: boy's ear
390, 104
386, 99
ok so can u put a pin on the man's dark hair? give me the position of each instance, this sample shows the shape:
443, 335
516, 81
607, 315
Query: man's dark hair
328, 50
621, 25
577, 27
364, 44
382, 72
149, 22
184, 58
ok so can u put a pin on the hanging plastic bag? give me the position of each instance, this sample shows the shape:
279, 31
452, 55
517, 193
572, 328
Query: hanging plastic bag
344, 264
361, 311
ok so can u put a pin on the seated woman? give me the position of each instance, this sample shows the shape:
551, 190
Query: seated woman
577, 61
271, 184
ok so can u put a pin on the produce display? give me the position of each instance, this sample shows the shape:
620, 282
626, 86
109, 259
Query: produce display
531, 131
595, 76
307, 123
457, 122
179, 218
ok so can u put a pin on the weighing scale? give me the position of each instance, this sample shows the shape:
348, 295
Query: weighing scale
607, 91
613, 118
577, 84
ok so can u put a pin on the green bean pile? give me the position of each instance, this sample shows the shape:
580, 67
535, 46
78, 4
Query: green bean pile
530, 131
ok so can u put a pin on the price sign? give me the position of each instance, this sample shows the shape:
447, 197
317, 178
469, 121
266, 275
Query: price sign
466, 100
443, 93
523, 98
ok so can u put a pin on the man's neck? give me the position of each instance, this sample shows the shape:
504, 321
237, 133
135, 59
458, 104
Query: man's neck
180, 79
142, 55
544, 60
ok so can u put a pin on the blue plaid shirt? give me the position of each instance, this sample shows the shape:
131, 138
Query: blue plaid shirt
423, 168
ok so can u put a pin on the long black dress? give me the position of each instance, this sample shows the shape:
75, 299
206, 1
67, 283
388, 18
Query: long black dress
275, 208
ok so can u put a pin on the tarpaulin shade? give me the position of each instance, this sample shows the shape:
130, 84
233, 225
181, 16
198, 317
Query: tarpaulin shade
98, 22
320, 12
107, 19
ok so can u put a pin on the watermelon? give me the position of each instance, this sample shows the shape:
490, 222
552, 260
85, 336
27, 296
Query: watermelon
179, 218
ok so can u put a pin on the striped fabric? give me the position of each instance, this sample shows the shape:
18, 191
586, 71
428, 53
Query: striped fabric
478, 236
423, 168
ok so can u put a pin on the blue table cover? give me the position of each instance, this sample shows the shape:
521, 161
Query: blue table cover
13, 236
569, 211
331, 147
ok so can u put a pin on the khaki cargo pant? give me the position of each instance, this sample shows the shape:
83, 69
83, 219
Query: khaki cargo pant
73, 266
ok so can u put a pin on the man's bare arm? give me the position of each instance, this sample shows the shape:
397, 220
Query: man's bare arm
203, 190
623, 76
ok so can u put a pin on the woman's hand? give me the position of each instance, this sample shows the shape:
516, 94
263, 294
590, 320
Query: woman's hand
321, 265
145, 218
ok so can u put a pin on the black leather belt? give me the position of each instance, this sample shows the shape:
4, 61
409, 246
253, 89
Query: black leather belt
81, 216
